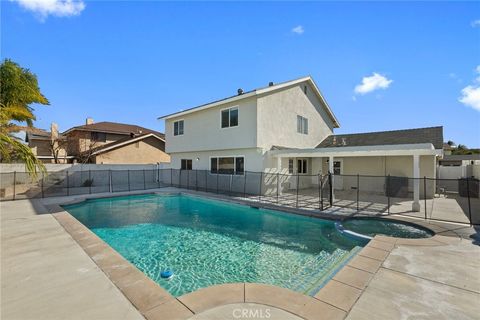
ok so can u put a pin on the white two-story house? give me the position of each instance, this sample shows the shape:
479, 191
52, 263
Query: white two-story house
288, 128
236, 133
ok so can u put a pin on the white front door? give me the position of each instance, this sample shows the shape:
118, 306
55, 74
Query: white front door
337, 171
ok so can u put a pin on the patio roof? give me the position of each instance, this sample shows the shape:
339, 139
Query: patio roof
360, 151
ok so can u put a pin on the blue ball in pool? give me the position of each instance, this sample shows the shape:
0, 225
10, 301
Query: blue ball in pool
166, 274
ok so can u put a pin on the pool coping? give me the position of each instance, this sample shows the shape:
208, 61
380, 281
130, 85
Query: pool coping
334, 300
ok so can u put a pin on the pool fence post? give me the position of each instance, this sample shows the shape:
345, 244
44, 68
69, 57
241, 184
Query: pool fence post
43, 194
144, 183
68, 185
14, 183
330, 188
217, 181
206, 180
278, 184
171, 177
188, 178
319, 192
425, 195
230, 189
128, 179
388, 194
298, 181
245, 185
110, 186
89, 182
358, 189
469, 205
261, 183
196, 180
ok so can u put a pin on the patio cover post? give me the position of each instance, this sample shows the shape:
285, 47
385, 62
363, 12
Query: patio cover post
416, 183
330, 169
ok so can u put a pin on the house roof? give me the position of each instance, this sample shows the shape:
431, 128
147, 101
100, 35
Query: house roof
433, 135
114, 127
260, 91
124, 141
459, 157
39, 134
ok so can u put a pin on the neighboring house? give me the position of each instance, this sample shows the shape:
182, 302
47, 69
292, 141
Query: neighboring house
288, 128
47, 147
460, 160
107, 143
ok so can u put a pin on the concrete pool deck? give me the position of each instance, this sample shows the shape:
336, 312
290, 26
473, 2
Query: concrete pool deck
44, 268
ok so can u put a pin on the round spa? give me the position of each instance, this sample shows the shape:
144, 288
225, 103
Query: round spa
371, 227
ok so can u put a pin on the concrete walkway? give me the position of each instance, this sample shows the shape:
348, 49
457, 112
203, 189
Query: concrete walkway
46, 275
424, 281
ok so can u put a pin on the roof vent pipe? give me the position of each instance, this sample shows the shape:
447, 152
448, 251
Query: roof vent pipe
270, 84
240, 91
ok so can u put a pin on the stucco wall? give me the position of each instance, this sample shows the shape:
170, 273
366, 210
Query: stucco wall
253, 158
378, 167
401, 166
145, 151
40, 147
79, 141
202, 129
277, 119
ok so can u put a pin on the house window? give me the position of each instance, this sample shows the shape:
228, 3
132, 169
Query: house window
302, 125
213, 165
302, 166
337, 167
178, 128
230, 117
239, 165
186, 164
227, 165
290, 166
98, 136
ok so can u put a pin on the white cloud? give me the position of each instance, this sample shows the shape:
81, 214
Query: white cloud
59, 8
471, 94
476, 23
298, 30
372, 83
471, 97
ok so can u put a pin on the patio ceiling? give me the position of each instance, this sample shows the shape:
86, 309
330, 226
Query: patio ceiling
418, 149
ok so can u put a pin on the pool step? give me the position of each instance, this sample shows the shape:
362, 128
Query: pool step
320, 270
313, 269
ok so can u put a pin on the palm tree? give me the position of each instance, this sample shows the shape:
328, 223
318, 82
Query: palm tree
18, 90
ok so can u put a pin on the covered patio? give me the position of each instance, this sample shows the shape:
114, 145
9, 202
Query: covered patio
408, 166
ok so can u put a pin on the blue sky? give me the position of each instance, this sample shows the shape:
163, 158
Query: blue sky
133, 61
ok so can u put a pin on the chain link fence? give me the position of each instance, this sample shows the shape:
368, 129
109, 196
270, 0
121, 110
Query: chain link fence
455, 200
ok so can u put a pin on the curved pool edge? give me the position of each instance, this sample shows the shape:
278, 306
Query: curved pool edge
421, 225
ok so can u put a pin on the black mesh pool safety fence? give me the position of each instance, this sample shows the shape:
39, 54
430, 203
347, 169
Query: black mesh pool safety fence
455, 200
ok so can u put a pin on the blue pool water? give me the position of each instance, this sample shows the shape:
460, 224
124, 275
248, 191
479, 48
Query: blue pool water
207, 242
373, 226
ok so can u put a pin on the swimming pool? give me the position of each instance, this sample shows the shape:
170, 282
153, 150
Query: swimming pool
207, 242
388, 227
